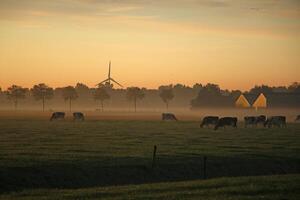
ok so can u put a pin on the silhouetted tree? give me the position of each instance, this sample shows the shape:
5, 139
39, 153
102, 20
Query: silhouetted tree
235, 94
42, 92
213, 89
134, 94
280, 89
15, 93
101, 94
82, 89
261, 89
294, 87
212, 96
69, 94
197, 87
166, 94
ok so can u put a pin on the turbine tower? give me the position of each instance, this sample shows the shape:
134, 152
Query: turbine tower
107, 82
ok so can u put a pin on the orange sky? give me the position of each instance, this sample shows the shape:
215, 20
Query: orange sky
235, 44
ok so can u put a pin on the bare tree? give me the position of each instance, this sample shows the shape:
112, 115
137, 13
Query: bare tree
15, 93
69, 94
42, 92
101, 94
166, 94
134, 94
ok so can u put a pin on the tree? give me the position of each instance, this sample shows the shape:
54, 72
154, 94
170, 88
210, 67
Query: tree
82, 89
197, 86
15, 93
235, 94
134, 94
101, 94
294, 87
212, 96
166, 94
261, 89
213, 89
69, 94
42, 92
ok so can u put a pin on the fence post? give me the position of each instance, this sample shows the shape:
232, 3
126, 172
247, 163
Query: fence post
204, 167
154, 156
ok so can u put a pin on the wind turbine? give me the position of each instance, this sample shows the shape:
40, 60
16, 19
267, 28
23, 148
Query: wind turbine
109, 79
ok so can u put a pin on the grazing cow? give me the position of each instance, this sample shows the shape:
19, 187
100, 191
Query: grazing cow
279, 121
57, 116
78, 116
168, 116
254, 120
261, 119
209, 120
250, 120
297, 118
226, 121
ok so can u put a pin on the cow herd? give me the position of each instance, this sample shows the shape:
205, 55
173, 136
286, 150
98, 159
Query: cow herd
217, 122
208, 121
77, 116
249, 121
253, 121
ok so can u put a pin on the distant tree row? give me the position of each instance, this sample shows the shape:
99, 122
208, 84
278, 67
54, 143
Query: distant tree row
42, 92
204, 95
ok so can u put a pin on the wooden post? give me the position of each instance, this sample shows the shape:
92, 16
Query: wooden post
204, 167
154, 157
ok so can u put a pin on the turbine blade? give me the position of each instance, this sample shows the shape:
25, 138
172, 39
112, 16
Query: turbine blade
116, 82
102, 82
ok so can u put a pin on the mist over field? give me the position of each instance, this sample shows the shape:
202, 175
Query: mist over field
188, 103
149, 99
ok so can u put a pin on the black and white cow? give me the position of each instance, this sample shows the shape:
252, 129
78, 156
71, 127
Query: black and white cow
168, 117
249, 120
227, 121
254, 120
261, 119
209, 120
57, 116
279, 121
78, 116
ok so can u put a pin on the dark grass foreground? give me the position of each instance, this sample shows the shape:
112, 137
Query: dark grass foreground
279, 187
37, 154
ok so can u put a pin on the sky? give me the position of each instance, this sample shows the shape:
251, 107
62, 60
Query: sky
234, 43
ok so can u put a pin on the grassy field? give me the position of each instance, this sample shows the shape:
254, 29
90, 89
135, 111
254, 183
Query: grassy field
277, 187
37, 157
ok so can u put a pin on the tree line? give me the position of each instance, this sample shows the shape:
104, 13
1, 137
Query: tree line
198, 95
42, 92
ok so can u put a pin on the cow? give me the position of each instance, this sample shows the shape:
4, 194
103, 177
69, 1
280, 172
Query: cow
209, 120
279, 121
168, 116
297, 118
249, 120
57, 116
261, 119
78, 116
254, 120
226, 121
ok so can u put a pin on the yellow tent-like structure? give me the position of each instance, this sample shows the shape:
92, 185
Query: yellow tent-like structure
260, 102
242, 102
